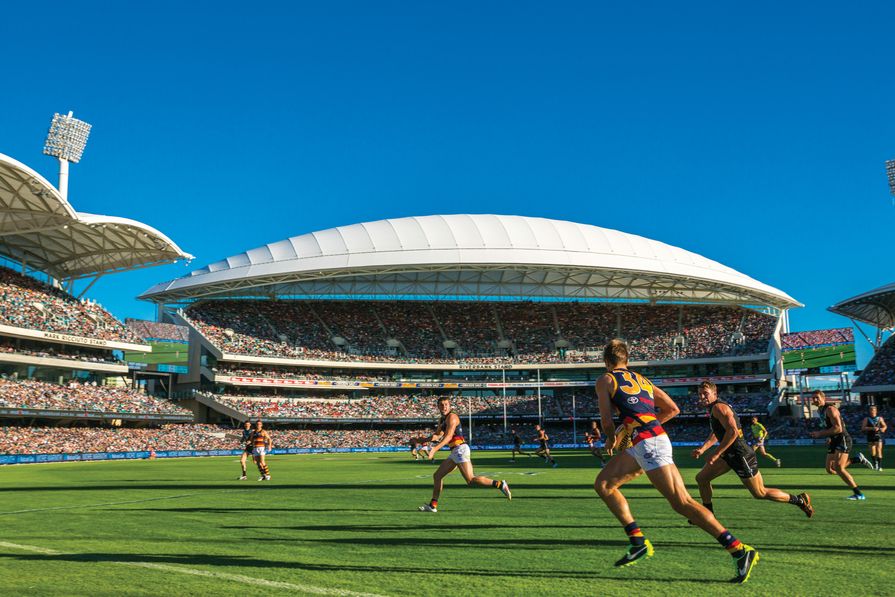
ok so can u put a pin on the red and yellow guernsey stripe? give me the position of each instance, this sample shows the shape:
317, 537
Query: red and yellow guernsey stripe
456, 441
632, 425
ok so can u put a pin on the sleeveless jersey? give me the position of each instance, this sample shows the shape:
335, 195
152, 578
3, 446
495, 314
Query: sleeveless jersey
739, 445
258, 439
457, 438
873, 422
633, 397
246, 436
829, 425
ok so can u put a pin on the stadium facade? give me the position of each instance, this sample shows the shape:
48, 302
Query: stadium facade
58, 351
503, 310
876, 307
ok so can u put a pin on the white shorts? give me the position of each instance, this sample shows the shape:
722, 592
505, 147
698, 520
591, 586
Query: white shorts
259, 452
652, 453
461, 454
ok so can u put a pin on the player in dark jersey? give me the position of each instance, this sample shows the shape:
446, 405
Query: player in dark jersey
875, 426
450, 432
643, 408
543, 449
594, 438
246, 442
734, 454
839, 443
517, 446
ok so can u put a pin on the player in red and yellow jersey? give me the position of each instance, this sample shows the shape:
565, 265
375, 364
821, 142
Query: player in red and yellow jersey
643, 408
261, 446
450, 433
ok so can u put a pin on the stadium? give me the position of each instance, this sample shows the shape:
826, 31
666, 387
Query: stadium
346, 393
341, 340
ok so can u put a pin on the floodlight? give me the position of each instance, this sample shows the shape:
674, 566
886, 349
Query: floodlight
67, 138
890, 172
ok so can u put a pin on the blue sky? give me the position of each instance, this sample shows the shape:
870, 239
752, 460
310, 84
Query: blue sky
753, 135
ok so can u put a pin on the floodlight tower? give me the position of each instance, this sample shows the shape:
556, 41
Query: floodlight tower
66, 141
890, 172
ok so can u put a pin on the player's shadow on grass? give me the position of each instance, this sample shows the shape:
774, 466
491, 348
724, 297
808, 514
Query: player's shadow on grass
415, 527
219, 510
249, 562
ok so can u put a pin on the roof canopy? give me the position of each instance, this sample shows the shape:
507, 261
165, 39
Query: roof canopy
40, 228
472, 256
876, 307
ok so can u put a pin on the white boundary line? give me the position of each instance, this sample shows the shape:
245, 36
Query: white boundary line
240, 578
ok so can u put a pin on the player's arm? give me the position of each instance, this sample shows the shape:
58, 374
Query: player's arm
450, 427
665, 405
268, 440
605, 387
729, 422
836, 426
708, 443
882, 425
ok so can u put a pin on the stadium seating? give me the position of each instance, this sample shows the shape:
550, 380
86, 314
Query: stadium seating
880, 371
28, 303
404, 332
73, 440
76, 396
375, 407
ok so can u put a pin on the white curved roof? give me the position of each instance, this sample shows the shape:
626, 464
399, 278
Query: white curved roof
876, 307
472, 255
41, 228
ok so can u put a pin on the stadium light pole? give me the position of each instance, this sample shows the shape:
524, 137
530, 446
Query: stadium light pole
66, 141
890, 173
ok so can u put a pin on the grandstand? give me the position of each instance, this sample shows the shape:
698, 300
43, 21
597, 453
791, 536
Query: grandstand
366, 324
876, 308
59, 351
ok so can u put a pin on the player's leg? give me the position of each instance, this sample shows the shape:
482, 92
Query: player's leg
550, 458
667, 479
474, 480
446, 466
704, 480
612, 477
763, 451
759, 491
242, 463
839, 462
876, 453
262, 466
618, 471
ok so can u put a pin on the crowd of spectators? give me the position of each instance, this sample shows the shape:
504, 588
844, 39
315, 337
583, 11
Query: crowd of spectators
880, 371
483, 333
79, 397
80, 440
806, 339
73, 440
26, 302
379, 407
158, 331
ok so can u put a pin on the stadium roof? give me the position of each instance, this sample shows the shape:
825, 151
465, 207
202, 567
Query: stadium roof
472, 256
40, 228
876, 307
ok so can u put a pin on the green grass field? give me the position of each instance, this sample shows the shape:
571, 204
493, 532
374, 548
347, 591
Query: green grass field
819, 357
334, 524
